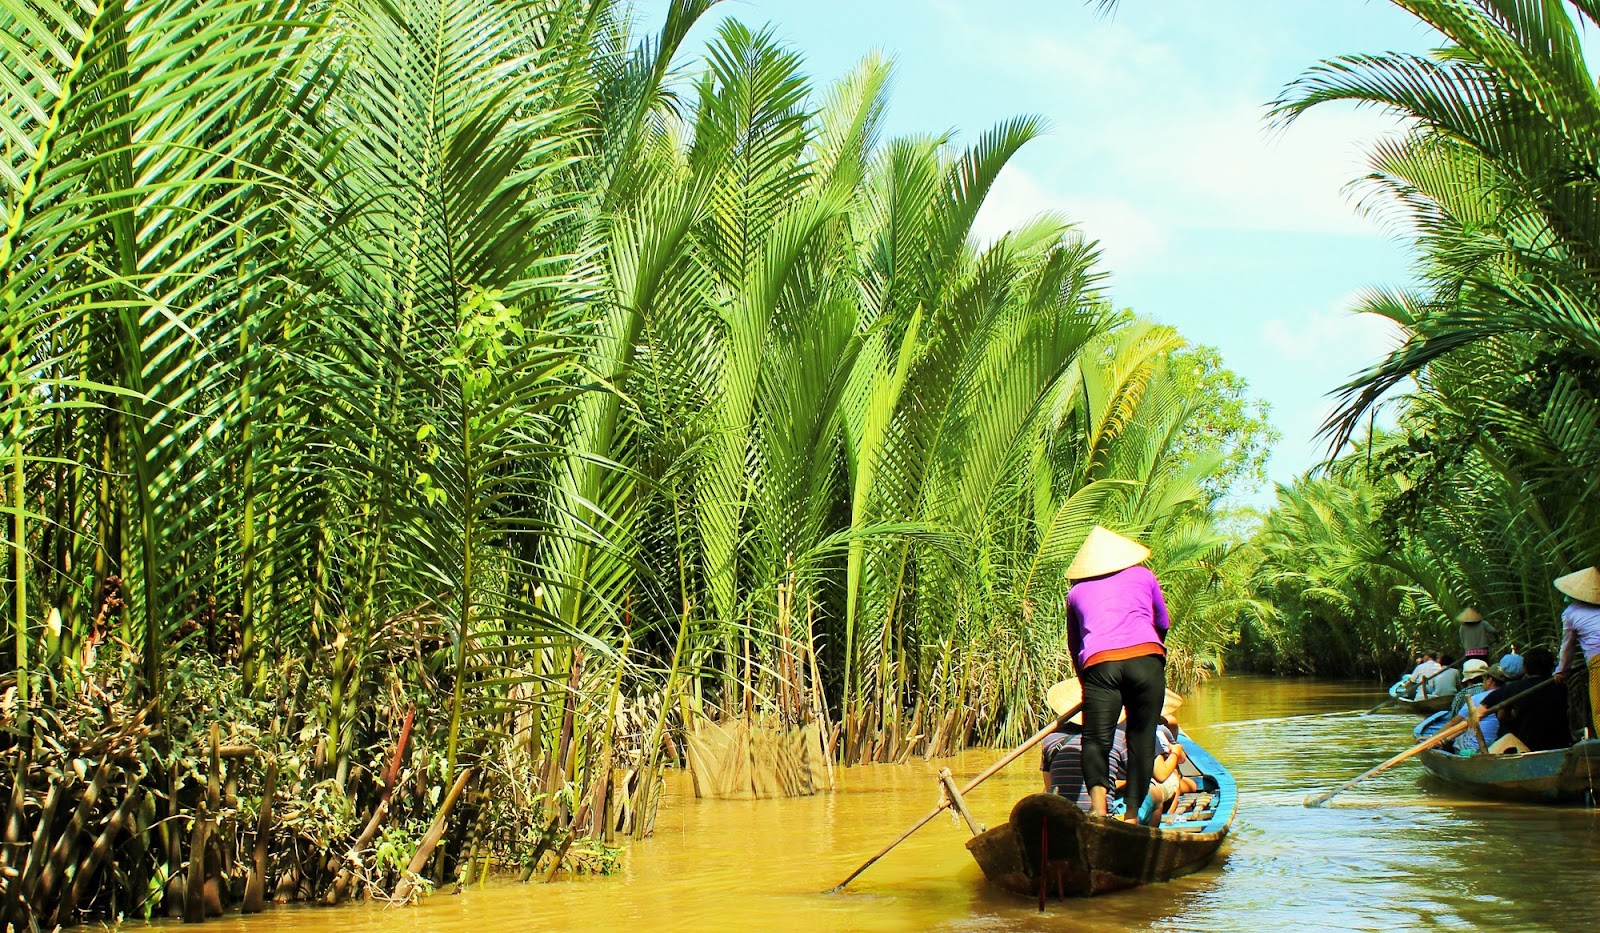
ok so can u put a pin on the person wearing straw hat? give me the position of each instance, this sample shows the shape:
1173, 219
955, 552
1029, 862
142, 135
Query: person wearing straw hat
1471, 684
1580, 632
1476, 634
1061, 758
1116, 634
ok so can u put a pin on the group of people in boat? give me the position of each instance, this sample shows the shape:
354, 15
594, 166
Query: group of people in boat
1119, 756
1544, 720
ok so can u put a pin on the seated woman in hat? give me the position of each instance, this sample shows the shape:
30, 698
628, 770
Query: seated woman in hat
1487, 726
1116, 632
1062, 758
1471, 684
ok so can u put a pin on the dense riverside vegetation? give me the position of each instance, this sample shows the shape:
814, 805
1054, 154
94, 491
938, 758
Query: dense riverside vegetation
418, 413
1485, 489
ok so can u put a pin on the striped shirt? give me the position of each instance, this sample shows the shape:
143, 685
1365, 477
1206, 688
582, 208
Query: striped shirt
1063, 759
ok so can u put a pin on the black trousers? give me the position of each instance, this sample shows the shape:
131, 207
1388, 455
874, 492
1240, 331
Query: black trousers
1138, 685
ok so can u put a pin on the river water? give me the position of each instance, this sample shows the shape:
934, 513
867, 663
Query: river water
1399, 852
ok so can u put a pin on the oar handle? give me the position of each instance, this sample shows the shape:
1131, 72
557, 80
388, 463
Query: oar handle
1440, 737
988, 773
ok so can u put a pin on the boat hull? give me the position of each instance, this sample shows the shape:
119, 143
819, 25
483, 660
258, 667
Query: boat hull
1563, 775
1082, 855
1425, 707
1050, 847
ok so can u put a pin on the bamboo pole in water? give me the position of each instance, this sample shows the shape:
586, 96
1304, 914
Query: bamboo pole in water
971, 785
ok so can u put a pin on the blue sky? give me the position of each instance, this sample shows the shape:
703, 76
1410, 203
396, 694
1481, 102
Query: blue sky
1243, 237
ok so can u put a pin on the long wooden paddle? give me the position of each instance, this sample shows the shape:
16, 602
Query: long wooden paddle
988, 773
1389, 700
1440, 737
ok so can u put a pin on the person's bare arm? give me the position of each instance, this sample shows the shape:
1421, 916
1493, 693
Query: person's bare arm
1168, 763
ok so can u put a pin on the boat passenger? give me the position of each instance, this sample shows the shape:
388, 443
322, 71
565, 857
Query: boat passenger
1580, 633
1472, 684
1410, 686
1062, 758
1116, 632
1166, 783
1476, 634
1445, 683
1537, 722
1488, 725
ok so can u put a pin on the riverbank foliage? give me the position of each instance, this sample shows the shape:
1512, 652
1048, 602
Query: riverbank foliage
416, 414
1483, 492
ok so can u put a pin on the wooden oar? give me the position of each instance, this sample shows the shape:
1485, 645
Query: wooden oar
1388, 700
1420, 747
988, 773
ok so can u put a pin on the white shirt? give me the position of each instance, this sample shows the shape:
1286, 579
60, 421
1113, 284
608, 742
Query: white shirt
1424, 670
1580, 626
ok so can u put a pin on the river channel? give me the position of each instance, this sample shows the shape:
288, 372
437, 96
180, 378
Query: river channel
1399, 852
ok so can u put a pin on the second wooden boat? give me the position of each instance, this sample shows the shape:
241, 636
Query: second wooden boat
1424, 707
1051, 848
1558, 776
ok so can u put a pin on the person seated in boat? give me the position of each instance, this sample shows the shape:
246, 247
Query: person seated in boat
1484, 726
1443, 684
1062, 763
1537, 722
1166, 783
1061, 760
1471, 684
1409, 686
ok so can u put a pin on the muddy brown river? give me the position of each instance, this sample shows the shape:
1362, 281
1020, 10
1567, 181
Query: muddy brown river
1397, 853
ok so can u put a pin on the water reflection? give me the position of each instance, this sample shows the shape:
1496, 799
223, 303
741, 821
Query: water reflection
1396, 853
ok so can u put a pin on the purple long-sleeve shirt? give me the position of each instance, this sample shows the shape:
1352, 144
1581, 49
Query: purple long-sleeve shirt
1115, 612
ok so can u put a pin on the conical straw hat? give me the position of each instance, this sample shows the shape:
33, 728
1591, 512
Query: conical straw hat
1583, 585
1069, 693
1105, 551
1469, 615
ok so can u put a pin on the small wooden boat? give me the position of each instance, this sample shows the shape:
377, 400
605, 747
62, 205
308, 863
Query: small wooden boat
1424, 707
1050, 847
1557, 776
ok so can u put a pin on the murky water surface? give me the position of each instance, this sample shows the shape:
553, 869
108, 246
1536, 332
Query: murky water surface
1400, 852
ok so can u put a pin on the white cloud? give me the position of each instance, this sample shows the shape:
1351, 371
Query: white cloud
1145, 118
1128, 236
1331, 336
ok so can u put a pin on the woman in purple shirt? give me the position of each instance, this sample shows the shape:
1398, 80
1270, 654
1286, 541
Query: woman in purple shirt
1116, 630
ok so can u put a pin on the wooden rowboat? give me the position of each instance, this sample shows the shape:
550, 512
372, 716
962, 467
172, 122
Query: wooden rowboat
1557, 776
1424, 707
1051, 848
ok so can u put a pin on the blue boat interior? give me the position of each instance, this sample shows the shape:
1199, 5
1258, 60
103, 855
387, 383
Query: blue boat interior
1430, 727
1216, 783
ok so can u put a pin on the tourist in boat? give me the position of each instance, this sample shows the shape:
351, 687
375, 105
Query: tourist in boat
1471, 684
1538, 721
1488, 725
1580, 634
1410, 686
1062, 758
1476, 634
1167, 784
1116, 633
1445, 683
